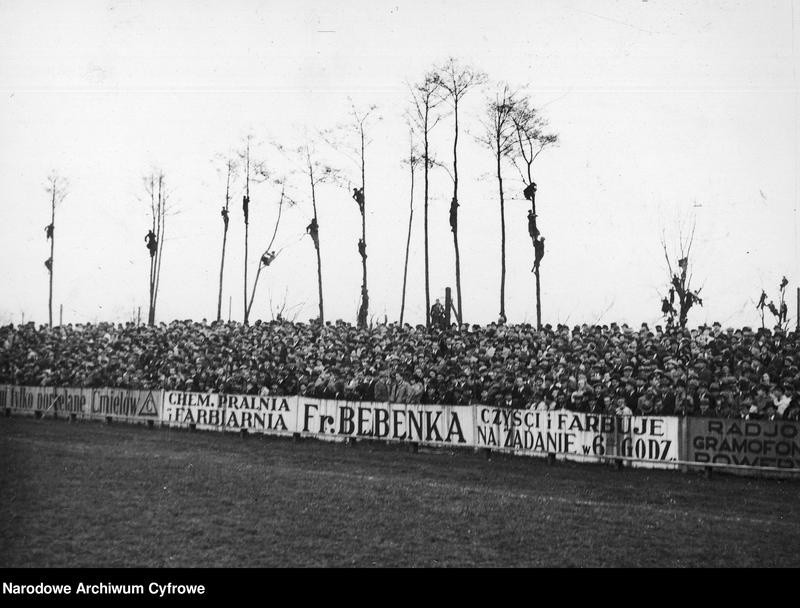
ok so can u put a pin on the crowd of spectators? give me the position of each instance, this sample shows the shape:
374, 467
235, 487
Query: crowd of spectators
614, 369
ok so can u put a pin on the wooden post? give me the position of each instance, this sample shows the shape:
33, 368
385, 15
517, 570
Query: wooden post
230, 301
60, 314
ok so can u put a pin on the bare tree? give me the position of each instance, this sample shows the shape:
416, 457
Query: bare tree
781, 311
230, 173
680, 284
316, 175
360, 196
424, 99
57, 189
532, 139
455, 81
254, 171
499, 136
269, 255
155, 187
305, 161
412, 161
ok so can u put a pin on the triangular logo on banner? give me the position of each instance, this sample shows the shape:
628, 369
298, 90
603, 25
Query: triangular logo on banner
149, 406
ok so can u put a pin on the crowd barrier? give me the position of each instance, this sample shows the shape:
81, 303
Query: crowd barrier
658, 442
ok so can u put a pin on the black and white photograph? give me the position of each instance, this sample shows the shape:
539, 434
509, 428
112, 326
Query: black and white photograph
405, 284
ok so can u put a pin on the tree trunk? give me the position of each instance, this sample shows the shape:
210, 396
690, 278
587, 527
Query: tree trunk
246, 229
221, 270
538, 302
363, 310
52, 251
427, 261
538, 282
245, 271
160, 239
502, 238
408, 240
316, 246
224, 242
319, 283
455, 211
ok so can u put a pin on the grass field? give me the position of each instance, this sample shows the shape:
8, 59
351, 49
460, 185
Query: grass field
90, 495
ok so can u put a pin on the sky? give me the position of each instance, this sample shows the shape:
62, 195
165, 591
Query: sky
669, 114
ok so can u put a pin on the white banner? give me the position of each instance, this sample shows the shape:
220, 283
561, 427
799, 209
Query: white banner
427, 424
200, 409
68, 401
34, 399
126, 405
19, 401
577, 435
272, 415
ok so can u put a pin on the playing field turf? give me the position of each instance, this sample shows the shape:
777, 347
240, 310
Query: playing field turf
87, 494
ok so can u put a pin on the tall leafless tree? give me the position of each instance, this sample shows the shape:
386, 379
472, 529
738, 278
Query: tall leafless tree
424, 99
360, 119
530, 127
680, 283
269, 255
254, 171
230, 173
412, 161
455, 81
156, 189
499, 136
317, 173
57, 190
305, 162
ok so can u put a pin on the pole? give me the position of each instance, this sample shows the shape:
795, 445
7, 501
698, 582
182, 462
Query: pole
139, 316
230, 302
60, 314
798, 309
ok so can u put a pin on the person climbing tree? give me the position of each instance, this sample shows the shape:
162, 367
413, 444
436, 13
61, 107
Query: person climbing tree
530, 191
358, 197
313, 230
538, 248
533, 231
152, 242
454, 215
268, 258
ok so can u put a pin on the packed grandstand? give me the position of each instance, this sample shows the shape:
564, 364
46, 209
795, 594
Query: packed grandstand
708, 371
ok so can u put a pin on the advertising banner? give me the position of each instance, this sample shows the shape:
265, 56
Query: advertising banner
754, 443
69, 401
275, 415
19, 402
578, 435
272, 415
126, 405
34, 399
427, 424
183, 409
